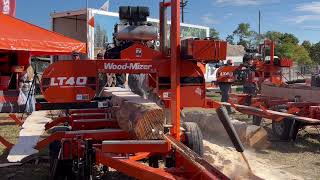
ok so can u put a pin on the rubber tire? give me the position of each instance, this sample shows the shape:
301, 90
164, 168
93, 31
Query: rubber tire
282, 128
256, 120
154, 161
194, 138
64, 167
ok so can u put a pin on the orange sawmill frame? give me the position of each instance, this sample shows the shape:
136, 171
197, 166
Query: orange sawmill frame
75, 142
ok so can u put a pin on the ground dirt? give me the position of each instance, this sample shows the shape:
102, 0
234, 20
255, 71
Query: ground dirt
282, 160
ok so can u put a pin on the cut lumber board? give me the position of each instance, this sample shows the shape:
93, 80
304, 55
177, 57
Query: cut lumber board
32, 128
309, 94
140, 117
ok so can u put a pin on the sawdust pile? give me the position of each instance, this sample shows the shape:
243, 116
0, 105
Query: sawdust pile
230, 162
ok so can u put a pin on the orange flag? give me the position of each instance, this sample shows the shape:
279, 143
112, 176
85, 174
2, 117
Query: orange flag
91, 22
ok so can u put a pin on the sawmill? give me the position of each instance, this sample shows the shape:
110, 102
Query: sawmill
123, 95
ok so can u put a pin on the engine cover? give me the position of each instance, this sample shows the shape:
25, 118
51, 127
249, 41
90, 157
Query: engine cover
131, 32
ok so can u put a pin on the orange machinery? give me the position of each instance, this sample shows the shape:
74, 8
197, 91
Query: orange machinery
177, 77
256, 68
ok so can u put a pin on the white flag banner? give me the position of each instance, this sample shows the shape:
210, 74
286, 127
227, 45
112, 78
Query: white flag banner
105, 6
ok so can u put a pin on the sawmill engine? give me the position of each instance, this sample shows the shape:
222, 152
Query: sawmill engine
133, 27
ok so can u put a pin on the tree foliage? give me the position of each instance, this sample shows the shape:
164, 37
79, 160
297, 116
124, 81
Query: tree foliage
246, 37
214, 33
315, 52
307, 45
287, 44
230, 39
243, 31
289, 38
296, 52
274, 36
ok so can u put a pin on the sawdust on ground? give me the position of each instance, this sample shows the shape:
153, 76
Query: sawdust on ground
230, 162
299, 159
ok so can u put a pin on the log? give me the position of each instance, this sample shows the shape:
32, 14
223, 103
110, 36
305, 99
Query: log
208, 121
142, 118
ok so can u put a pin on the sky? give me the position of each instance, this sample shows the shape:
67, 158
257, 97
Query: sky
300, 17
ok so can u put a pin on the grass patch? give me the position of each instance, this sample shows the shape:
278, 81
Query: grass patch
8, 130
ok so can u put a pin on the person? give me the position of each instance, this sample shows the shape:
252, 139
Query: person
100, 56
75, 55
27, 87
225, 82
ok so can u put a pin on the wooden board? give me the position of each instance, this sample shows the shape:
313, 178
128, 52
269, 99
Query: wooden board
32, 128
142, 118
306, 93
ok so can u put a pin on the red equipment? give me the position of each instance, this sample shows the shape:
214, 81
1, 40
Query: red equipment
19, 42
94, 137
256, 70
252, 74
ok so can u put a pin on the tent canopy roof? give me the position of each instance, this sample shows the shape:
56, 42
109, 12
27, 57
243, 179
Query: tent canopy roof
18, 35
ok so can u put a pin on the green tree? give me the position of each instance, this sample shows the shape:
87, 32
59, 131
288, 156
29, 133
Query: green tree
315, 52
274, 36
213, 33
296, 52
301, 55
254, 39
307, 45
242, 31
289, 38
247, 37
287, 46
230, 39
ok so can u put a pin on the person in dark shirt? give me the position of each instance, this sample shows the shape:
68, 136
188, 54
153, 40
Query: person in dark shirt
225, 88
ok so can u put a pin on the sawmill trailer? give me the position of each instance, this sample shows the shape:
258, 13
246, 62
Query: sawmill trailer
93, 136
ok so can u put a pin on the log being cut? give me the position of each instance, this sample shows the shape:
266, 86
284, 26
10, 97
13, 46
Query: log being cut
142, 118
32, 129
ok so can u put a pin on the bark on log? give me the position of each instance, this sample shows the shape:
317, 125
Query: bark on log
142, 118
